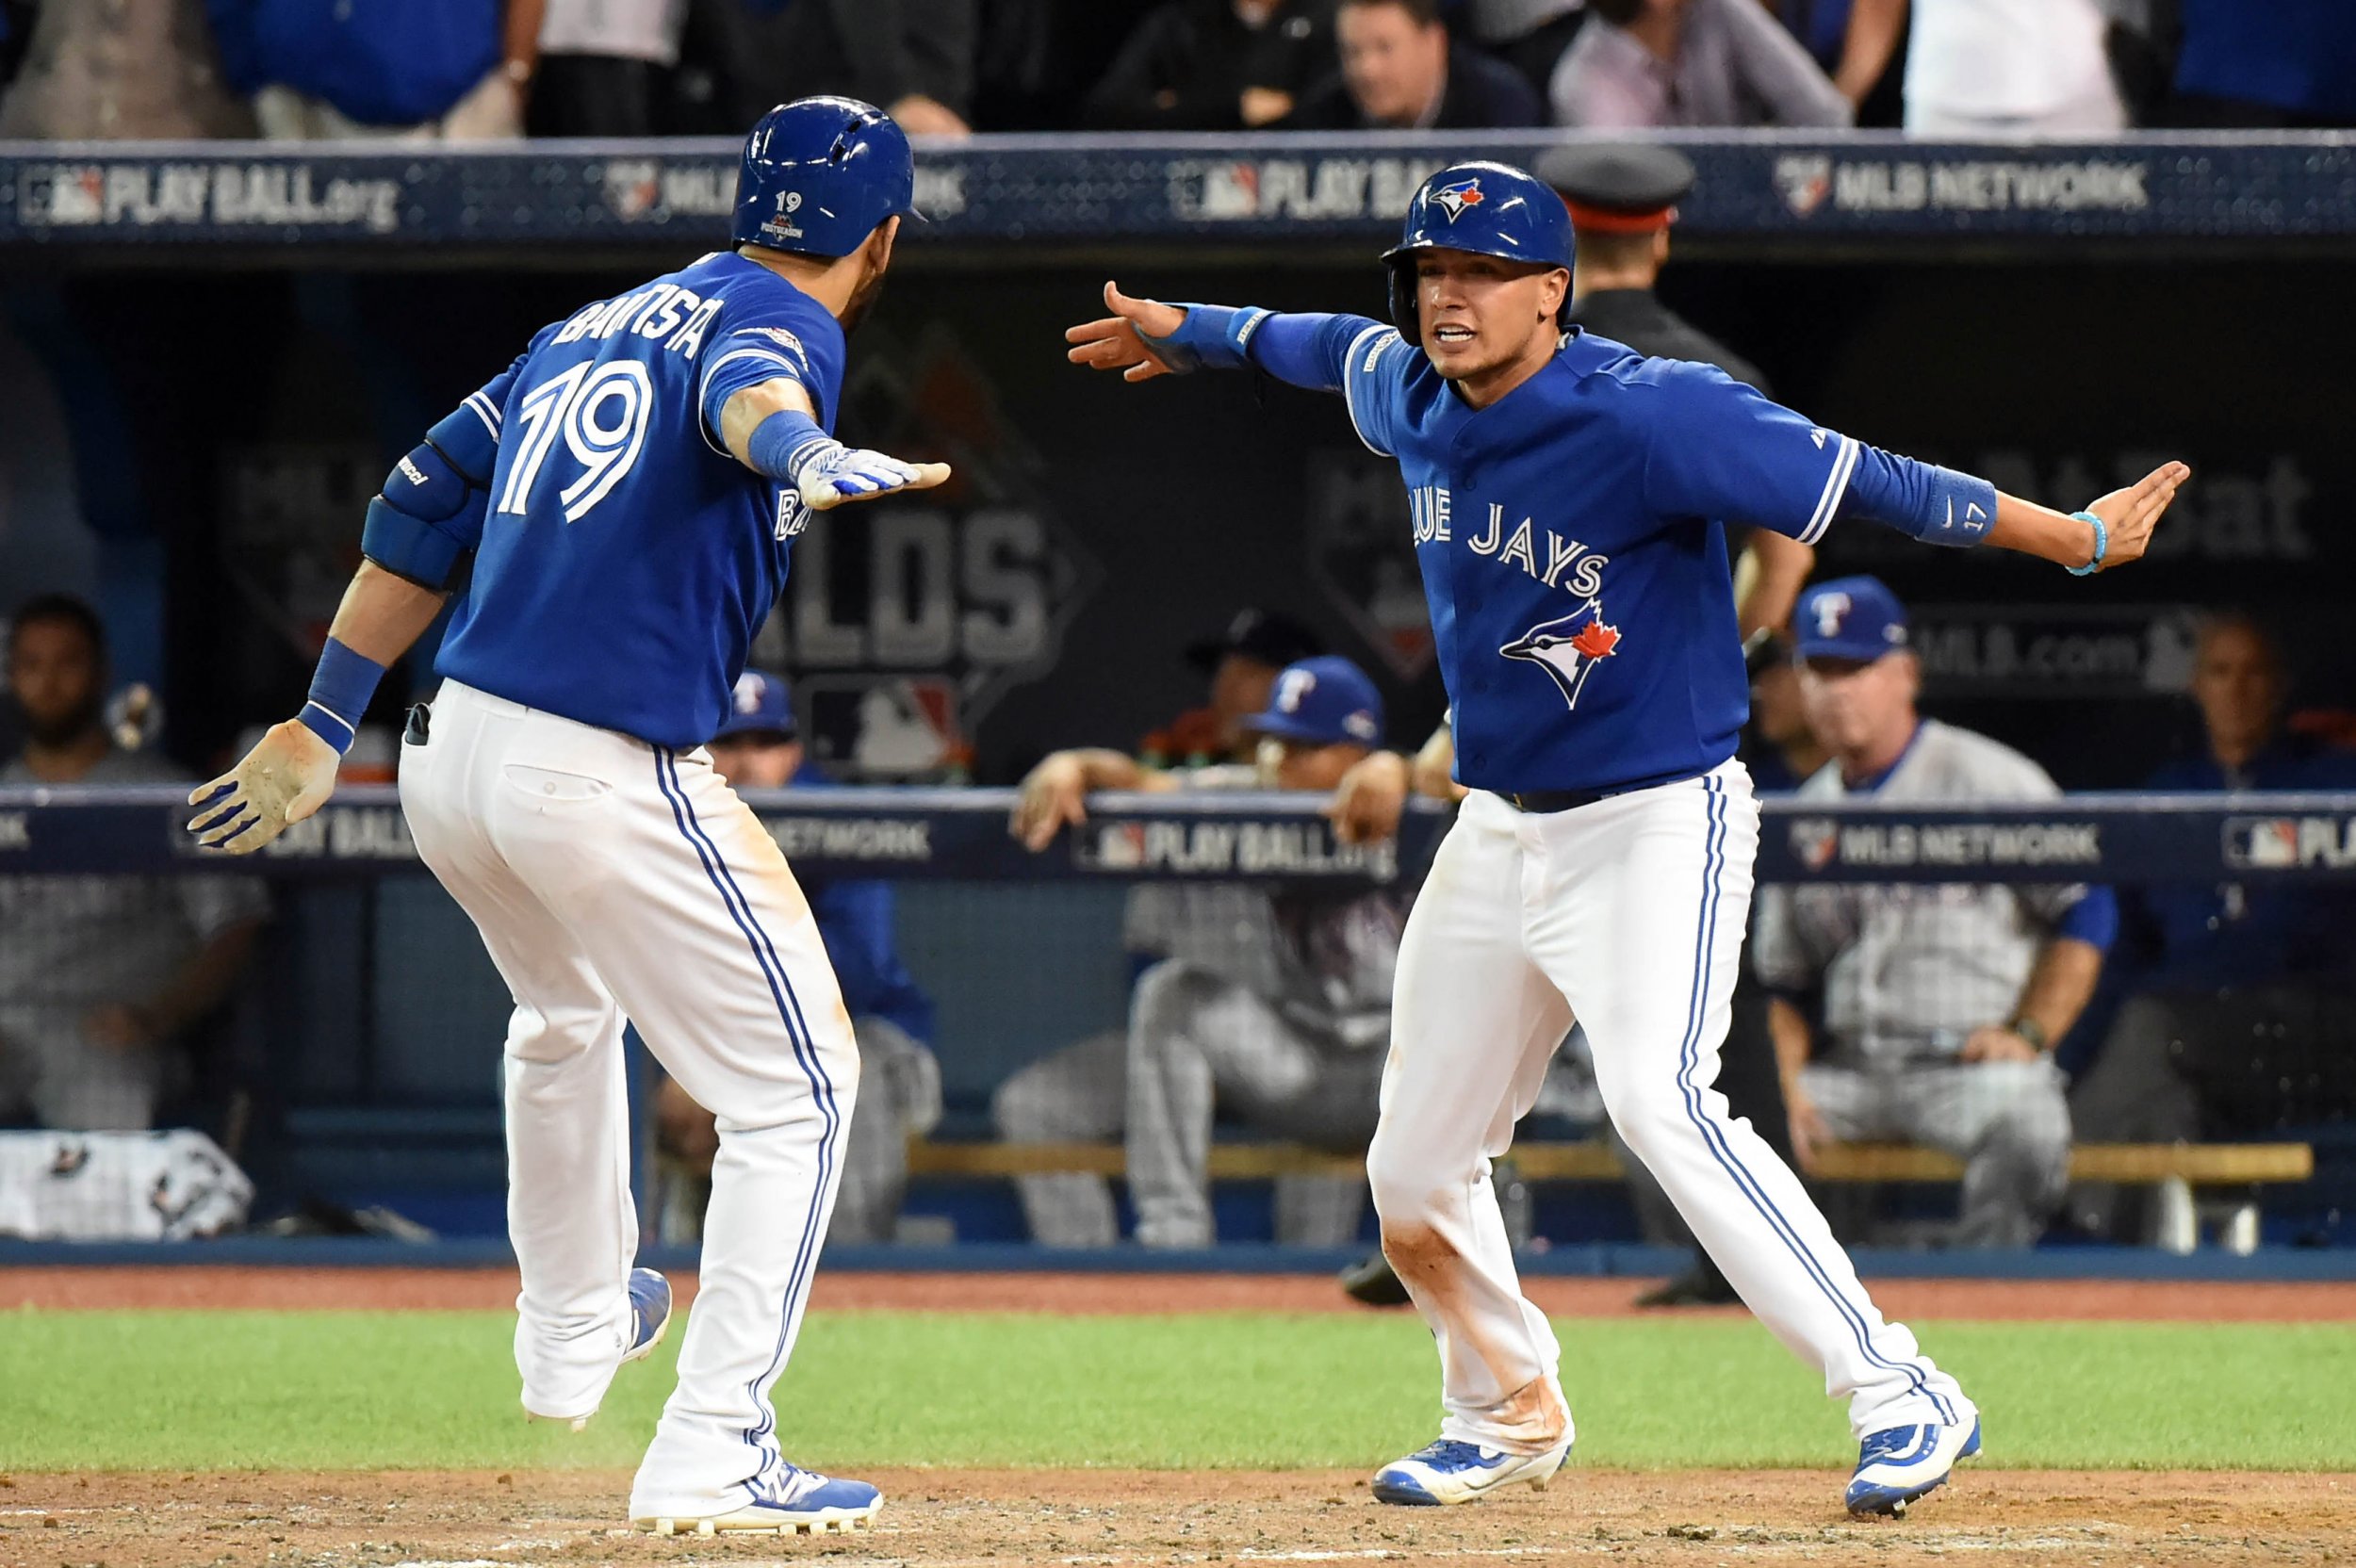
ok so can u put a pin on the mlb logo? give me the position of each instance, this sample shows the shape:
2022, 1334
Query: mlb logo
1804, 180
1115, 846
634, 187
1814, 841
2262, 843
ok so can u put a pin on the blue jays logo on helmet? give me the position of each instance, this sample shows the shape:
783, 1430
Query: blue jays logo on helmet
1454, 199
819, 174
1490, 209
1568, 650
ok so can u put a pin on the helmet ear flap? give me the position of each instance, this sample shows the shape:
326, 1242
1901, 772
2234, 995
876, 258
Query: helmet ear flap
1403, 314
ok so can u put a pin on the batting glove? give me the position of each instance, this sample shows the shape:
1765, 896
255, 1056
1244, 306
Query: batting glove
288, 776
828, 473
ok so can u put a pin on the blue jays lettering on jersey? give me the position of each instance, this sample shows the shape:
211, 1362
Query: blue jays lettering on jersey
1574, 551
626, 560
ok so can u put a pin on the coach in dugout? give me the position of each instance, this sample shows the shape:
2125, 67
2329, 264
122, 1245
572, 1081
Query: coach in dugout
1935, 1006
1272, 1004
759, 747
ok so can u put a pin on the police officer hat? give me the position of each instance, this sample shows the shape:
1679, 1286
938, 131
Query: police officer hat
1618, 186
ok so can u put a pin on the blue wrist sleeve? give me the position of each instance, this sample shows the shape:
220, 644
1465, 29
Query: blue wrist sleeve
779, 442
1936, 505
2093, 918
340, 690
1213, 336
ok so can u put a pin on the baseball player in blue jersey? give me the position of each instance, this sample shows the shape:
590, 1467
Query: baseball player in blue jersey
1570, 501
630, 488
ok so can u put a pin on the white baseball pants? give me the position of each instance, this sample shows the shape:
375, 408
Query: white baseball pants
611, 878
1628, 915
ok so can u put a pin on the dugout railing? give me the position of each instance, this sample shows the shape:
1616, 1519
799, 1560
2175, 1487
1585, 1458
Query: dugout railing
375, 1046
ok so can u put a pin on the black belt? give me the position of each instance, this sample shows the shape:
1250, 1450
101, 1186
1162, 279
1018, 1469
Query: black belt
1544, 802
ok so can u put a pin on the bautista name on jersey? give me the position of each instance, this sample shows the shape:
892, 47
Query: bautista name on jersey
1572, 534
624, 561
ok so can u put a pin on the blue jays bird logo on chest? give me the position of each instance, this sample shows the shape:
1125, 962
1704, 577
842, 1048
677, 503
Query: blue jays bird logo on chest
1569, 649
1455, 198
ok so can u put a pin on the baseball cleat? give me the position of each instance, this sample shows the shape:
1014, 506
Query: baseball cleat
1452, 1472
1896, 1465
649, 1320
800, 1502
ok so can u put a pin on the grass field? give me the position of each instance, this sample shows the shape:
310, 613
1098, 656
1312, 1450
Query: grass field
437, 1390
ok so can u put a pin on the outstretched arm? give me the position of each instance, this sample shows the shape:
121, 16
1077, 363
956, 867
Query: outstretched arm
1144, 338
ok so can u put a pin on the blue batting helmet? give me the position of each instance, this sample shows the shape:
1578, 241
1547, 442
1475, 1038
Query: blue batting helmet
819, 174
1491, 209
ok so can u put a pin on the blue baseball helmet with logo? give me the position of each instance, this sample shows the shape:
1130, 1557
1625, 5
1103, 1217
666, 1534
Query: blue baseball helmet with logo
819, 174
1491, 209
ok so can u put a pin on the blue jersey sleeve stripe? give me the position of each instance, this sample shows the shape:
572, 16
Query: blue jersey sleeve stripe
1351, 372
485, 411
793, 372
1836, 485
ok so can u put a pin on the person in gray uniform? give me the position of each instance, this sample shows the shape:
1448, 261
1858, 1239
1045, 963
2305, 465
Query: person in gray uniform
1919, 1012
1272, 1002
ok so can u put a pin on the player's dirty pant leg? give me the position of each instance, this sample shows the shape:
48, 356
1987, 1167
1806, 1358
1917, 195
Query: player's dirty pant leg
1638, 910
1473, 1028
2009, 1123
569, 1212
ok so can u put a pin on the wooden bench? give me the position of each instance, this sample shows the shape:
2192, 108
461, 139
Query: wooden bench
2178, 1169
2129, 1164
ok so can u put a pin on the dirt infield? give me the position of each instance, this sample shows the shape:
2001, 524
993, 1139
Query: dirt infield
940, 1518
491, 1289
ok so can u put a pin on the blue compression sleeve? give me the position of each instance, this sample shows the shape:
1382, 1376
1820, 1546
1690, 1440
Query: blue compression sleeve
2093, 918
1936, 505
779, 442
340, 690
1305, 348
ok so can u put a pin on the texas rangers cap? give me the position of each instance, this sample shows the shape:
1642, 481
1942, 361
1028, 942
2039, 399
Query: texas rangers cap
1618, 186
1849, 617
1268, 637
1322, 701
762, 705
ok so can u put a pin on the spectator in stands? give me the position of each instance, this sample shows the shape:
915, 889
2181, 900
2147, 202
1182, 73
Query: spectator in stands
1528, 35
2242, 1007
421, 70
914, 58
130, 70
1989, 68
599, 66
1938, 1004
1401, 73
1272, 1004
2288, 63
1242, 663
1647, 63
100, 975
759, 747
1214, 65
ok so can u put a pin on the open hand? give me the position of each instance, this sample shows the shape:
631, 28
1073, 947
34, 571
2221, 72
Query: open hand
1114, 342
288, 776
2129, 514
843, 474
1052, 793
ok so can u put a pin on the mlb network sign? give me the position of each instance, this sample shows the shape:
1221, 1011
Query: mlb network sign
1809, 182
2290, 843
1820, 843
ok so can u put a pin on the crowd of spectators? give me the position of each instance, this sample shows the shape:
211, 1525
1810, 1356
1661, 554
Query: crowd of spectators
488, 69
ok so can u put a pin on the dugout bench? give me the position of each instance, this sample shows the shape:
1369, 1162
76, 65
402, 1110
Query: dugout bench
2181, 1170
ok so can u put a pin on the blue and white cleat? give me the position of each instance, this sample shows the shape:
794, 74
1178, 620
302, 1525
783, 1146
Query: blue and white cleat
788, 1501
649, 1320
1896, 1465
1452, 1472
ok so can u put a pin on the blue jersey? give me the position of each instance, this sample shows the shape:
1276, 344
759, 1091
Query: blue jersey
626, 560
1573, 542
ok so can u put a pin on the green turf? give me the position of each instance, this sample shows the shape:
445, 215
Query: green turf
435, 1390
